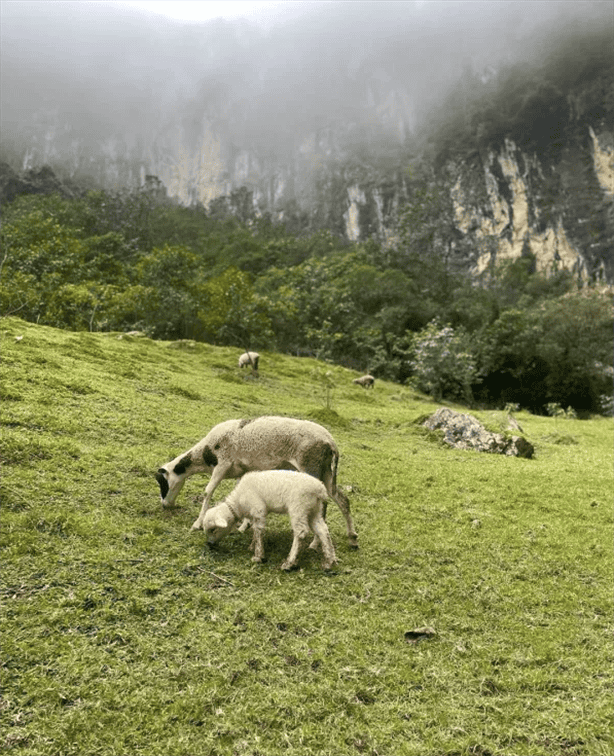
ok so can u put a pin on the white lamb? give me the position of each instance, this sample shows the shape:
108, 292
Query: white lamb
299, 495
235, 447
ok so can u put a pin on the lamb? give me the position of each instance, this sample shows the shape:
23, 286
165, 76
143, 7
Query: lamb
236, 447
297, 494
366, 381
249, 358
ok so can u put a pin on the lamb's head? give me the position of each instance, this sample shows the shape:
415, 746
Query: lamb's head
218, 522
171, 478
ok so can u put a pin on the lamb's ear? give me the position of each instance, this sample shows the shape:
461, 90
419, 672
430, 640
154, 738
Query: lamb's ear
220, 521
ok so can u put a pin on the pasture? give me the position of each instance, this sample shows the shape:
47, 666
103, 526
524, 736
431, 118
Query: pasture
123, 634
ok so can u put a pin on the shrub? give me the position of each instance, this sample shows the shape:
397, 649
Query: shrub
442, 363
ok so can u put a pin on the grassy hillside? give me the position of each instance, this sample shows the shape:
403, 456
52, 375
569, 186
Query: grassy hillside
123, 634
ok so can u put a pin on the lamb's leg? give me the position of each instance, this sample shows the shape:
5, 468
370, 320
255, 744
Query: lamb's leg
257, 542
244, 525
218, 475
322, 533
301, 531
315, 544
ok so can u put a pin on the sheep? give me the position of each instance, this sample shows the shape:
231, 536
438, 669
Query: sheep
249, 358
235, 447
366, 381
297, 494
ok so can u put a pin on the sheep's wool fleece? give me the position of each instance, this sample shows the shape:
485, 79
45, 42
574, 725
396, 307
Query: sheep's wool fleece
264, 432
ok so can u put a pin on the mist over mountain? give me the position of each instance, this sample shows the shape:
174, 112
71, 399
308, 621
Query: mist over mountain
326, 110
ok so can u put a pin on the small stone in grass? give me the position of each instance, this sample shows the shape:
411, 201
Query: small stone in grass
419, 634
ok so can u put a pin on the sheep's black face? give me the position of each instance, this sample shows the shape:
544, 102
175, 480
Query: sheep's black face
162, 482
170, 483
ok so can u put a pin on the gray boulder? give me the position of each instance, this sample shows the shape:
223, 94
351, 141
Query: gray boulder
466, 432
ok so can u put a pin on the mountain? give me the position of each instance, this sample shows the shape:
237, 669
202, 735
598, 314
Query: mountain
333, 118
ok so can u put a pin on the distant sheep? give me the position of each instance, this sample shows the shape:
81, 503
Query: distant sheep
236, 447
366, 381
296, 494
249, 358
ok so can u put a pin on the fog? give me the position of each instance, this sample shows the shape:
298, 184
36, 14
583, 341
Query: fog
77, 74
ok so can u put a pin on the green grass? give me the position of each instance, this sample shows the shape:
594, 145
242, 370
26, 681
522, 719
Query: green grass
123, 634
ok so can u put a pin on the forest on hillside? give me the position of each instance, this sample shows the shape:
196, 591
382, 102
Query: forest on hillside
135, 261
408, 308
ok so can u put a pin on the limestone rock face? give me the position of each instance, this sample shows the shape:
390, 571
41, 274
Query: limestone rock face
334, 135
466, 432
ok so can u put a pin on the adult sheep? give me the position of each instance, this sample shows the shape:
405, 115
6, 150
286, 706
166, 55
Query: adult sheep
366, 381
249, 358
235, 447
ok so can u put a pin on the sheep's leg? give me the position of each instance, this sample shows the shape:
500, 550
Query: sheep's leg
328, 477
322, 533
344, 506
217, 476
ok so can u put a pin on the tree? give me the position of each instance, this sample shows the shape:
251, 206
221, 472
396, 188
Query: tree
234, 313
40, 256
555, 351
173, 280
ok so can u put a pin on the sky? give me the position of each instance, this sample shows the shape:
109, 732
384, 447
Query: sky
197, 11
274, 73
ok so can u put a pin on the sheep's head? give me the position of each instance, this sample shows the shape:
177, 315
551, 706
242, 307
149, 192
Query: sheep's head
218, 522
171, 478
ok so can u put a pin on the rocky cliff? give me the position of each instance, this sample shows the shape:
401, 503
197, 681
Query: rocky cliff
524, 152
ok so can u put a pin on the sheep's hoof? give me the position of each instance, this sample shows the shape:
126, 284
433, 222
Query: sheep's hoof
258, 560
197, 525
288, 566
